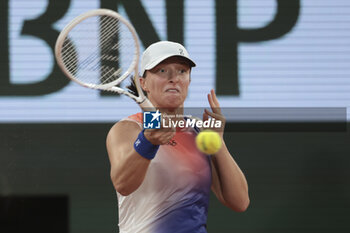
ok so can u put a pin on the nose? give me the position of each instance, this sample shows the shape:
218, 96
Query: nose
173, 76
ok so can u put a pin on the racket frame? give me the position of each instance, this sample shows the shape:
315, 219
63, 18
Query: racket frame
141, 99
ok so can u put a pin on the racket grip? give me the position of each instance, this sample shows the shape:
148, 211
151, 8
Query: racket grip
147, 106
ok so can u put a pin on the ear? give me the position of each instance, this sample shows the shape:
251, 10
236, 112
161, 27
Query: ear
143, 84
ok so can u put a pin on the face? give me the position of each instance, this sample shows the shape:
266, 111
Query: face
167, 83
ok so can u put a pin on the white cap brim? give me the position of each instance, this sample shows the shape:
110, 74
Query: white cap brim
159, 60
159, 51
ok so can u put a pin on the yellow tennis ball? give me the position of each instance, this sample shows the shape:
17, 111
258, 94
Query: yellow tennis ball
208, 142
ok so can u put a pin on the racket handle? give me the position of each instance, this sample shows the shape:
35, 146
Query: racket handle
147, 106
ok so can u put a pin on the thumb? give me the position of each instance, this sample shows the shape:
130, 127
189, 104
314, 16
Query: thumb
205, 116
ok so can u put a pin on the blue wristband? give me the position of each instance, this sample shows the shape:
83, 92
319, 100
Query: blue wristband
144, 147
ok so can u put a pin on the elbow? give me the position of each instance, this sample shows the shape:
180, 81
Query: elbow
121, 186
239, 206
243, 206
123, 191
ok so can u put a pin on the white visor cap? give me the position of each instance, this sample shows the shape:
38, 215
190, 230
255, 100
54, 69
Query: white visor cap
159, 51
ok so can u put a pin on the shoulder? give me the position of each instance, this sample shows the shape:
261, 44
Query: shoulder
129, 125
135, 117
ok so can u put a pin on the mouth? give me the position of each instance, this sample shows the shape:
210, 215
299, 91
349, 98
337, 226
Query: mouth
172, 90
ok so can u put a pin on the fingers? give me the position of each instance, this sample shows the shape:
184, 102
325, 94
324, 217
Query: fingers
159, 136
205, 116
163, 135
214, 102
214, 115
215, 99
215, 107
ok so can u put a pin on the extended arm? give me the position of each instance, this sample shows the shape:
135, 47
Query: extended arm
228, 181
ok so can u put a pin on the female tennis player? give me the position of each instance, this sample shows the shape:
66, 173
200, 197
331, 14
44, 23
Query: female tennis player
162, 180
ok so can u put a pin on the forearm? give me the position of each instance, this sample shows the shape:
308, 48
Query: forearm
233, 184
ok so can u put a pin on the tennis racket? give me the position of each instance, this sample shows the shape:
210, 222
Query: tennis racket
100, 49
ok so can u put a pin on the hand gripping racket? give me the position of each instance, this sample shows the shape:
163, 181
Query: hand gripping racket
99, 49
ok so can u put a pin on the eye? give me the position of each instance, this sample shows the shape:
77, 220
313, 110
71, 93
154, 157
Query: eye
182, 71
161, 71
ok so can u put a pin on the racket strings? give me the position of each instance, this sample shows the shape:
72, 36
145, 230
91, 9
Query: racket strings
71, 58
82, 30
110, 54
93, 56
98, 50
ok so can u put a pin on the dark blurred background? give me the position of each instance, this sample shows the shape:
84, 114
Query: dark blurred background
54, 169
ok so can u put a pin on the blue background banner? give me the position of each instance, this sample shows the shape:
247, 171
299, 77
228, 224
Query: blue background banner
254, 53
